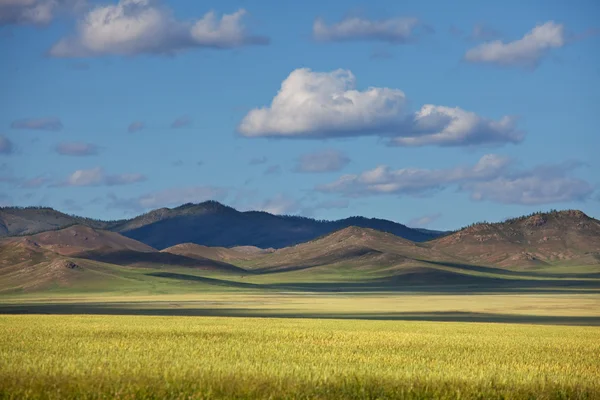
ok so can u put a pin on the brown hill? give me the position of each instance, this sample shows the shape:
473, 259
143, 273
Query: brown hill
554, 237
78, 238
233, 254
352, 245
30, 220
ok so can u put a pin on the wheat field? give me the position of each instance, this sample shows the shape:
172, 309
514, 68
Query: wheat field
156, 357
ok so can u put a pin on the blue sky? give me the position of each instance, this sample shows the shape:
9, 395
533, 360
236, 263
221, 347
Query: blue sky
422, 112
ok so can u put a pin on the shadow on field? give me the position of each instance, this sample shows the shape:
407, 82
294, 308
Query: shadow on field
183, 309
414, 282
525, 273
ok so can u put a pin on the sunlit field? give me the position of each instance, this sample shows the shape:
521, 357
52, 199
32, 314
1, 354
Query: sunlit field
206, 357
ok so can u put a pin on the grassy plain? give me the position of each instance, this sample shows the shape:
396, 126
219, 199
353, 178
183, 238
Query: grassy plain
426, 330
177, 357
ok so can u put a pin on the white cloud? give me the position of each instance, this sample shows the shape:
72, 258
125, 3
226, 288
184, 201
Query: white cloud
414, 181
446, 126
34, 12
492, 178
322, 161
393, 30
541, 185
76, 149
525, 52
97, 177
6, 146
133, 27
326, 105
136, 126
43, 124
317, 104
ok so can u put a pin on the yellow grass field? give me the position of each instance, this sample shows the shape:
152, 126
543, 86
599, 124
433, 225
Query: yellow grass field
124, 357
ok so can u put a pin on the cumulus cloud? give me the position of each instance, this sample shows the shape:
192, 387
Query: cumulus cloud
34, 12
541, 185
393, 30
133, 27
6, 146
136, 126
447, 126
98, 177
322, 161
42, 124
181, 122
76, 149
414, 181
326, 105
493, 178
524, 52
424, 220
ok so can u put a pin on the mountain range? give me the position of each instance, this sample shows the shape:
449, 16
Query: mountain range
209, 223
87, 254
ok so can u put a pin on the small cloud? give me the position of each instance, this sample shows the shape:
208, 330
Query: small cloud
76, 149
322, 161
136, 126
424, 221
42, 124
492, 178
133, 27
273, 170
394, 30
6, 146
34, 12
97, 177
181, 122
525, 52
258, 160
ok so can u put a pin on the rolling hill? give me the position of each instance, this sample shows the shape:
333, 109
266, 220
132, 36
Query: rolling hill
83, 257
352, 246
538, 239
